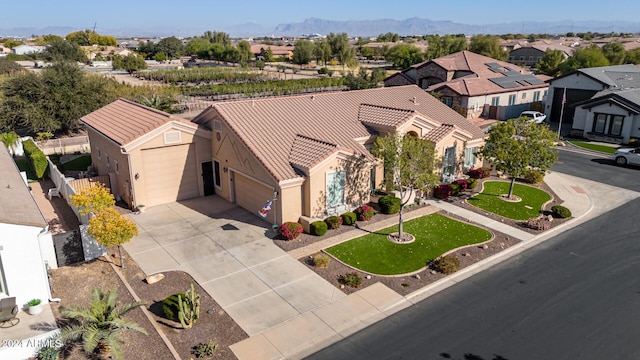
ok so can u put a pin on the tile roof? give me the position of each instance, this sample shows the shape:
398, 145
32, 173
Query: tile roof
473, 86
439, 133
270, 126
476, 63
306, 152
383, 116
124, 121
17, 206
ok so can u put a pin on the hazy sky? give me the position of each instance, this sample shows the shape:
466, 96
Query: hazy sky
209, 14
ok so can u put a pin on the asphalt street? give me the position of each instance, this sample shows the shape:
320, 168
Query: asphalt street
575, 296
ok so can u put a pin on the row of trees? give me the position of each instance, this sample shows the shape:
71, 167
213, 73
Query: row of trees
553, 63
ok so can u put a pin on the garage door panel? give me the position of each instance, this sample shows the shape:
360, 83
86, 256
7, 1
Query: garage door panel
170, 174
252, 195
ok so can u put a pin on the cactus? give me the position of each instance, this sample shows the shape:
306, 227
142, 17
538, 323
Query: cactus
188, 308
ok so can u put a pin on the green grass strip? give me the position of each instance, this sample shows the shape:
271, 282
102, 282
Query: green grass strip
595, 147
530, 206
80, 163
435, 234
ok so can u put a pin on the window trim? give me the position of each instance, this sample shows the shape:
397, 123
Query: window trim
536, 96
512, 99
495, 101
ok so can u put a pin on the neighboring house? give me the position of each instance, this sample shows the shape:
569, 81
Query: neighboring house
584, 84
308, 156
26, 245
151, 157
285, 52
477, 85
610, 115
27, 49
532, 54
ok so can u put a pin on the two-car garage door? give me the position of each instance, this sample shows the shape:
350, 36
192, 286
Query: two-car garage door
252, 195
170, 174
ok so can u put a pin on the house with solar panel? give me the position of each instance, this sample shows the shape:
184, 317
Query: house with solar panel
476, 85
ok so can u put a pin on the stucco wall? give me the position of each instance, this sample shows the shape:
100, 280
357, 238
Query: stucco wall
585, 117
24, 270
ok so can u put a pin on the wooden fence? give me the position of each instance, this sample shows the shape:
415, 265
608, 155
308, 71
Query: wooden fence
81, 184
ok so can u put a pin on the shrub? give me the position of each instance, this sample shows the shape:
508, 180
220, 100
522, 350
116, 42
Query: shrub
170, 306
364, 212
290, 230
633, 142
455, 189
389, 204
333, 222
472, 183
351, 279
533, 176
559, 211
348, 218
204, 349
48, 353
462, 183
318, 228
447, 264
539, 223
36, 157
479, 173
443, 191
321, 260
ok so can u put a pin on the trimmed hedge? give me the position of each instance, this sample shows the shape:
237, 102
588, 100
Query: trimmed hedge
533, 176
290, 230
348, 218
364, 212
333, 222
318, 228
561, 212
37, 158
389, 204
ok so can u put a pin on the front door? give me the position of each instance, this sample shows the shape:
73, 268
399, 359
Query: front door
207, 178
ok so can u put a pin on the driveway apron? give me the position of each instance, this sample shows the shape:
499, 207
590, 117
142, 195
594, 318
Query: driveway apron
228, 251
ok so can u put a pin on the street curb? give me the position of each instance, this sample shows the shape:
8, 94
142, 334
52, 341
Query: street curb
494, 259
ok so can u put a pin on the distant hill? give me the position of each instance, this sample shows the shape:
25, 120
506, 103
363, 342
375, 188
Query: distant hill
419, 26
412, 26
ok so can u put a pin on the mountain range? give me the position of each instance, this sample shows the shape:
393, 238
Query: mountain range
411, 26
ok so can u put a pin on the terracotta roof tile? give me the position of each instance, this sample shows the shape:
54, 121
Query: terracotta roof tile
383, 116
270, 126
123, 121
439, 133
305, 151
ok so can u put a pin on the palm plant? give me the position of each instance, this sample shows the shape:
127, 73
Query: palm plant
164, 103
99, 326
10, 140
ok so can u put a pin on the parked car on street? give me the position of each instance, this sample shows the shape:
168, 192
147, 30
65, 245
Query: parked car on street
535, 116
627, 156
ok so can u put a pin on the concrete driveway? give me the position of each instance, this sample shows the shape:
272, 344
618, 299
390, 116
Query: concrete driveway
228, 252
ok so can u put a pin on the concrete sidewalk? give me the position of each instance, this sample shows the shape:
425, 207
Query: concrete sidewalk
323, 326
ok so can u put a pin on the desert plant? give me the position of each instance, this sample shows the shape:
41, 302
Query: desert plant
333, 222
348, 218
290, 230
447, 264
443, 191
203, 350
389, 204
99, 326
364, 212
533, 176
189, 308
321, 260
170, 306
559, 211
34, 302
48, 352
318, 228
539, 223
351, 279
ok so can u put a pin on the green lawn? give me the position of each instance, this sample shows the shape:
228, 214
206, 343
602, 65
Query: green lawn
23, 165
435, 234
78, 164
530, 206
595, 147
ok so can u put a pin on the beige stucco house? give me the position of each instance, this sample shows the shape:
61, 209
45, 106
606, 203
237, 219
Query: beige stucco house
308, 156
150, 156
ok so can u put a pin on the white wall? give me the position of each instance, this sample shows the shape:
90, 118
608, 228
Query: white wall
574, 81
585, 118
504, 98
24, 270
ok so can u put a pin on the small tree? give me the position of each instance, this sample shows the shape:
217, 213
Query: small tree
516, 146
10, 140
409, 163
109, 228
98, 327
93, 199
